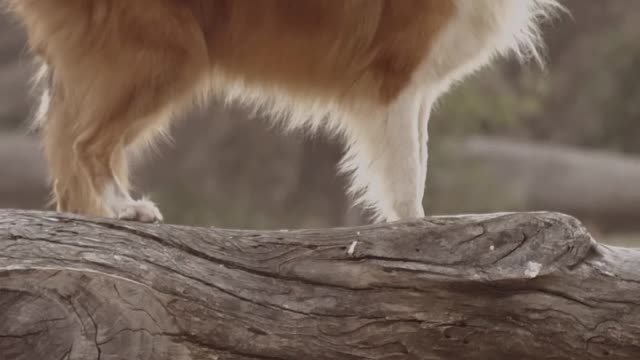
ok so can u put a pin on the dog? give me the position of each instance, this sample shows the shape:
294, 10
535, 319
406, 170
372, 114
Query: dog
370, 71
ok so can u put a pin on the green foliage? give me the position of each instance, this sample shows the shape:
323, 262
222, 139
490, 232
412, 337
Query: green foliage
491, 102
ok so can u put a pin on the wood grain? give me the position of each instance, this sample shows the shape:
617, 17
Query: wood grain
498, 286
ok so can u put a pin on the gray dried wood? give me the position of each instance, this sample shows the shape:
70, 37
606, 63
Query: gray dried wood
499, 286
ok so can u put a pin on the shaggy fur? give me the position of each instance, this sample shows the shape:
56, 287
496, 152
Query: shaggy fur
368, 70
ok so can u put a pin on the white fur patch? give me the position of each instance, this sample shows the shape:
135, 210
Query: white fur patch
123, 207
39, 82
481, 30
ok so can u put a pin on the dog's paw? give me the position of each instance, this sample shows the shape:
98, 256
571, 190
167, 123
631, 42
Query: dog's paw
138, 210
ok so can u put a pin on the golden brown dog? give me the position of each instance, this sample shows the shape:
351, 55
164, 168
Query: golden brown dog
368, 70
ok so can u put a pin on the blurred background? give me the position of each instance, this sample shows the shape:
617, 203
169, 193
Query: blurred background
510, 138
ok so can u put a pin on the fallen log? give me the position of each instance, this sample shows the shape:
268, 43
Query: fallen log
498, 286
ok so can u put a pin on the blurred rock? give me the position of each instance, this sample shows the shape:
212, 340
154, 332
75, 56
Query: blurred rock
601, 188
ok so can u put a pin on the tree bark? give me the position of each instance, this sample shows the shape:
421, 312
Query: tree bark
498, 286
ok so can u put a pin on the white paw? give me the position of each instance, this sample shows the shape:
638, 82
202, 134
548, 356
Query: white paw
404, 210
138, 210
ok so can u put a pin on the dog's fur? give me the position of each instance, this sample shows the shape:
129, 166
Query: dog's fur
369, 70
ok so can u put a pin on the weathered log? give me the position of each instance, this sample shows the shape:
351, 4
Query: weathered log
499, 286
